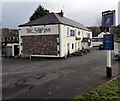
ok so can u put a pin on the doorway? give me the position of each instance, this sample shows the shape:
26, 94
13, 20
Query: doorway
16, 50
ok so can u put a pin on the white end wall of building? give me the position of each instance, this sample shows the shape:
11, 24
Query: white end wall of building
35, 30
66, 42
70, 43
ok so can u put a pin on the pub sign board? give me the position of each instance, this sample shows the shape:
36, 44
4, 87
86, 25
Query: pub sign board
108, 42
39, 30
108, 18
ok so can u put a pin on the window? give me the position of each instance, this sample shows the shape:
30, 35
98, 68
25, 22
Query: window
67, 31
13, 38
3, 39
72, 46
79, 33
72, 33
8, 38
89, 35
18, 38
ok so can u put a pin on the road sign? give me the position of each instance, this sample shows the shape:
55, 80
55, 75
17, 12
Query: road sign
108, 42
108, 18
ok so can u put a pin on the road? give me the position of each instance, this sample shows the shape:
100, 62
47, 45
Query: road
50, 78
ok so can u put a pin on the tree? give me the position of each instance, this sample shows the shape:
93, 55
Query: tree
39, 12
99, 21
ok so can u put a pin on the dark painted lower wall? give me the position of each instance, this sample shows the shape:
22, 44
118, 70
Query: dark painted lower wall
39, 45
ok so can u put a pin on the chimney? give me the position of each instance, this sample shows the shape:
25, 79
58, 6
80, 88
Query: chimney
61, 13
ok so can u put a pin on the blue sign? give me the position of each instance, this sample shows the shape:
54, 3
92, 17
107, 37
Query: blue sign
108, 42
108, 18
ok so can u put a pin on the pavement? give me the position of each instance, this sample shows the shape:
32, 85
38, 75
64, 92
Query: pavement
51, 78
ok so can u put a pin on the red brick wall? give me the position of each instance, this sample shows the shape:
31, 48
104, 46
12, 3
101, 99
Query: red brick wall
40, 45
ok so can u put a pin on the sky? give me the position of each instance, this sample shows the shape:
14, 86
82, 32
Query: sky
86, 12
119, 13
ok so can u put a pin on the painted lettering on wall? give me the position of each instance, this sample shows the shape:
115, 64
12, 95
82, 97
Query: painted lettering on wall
38, 30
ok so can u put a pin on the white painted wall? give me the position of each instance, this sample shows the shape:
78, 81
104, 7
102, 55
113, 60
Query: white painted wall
65, 39
23, 31
64, 36
12, 45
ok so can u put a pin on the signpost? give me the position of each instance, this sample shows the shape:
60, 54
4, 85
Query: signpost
108, 44
108, 20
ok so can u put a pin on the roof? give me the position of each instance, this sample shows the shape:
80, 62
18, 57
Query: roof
101, 34
54, 18
6, 32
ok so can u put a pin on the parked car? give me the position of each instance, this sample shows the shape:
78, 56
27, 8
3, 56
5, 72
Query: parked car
117, 54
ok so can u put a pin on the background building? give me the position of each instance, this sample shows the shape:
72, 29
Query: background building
9, 42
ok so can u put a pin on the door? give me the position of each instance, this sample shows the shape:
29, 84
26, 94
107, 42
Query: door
16, 50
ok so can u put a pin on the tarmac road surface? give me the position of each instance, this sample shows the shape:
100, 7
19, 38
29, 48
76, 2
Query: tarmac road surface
50, 78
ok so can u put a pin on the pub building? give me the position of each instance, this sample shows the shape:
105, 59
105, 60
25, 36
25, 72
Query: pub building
53, 35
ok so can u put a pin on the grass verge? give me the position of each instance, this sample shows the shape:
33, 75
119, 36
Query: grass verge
109, 91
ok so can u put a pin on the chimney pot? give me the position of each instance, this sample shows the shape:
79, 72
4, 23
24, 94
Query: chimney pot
61, 13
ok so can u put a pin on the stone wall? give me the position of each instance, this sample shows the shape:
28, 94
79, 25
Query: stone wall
39, 45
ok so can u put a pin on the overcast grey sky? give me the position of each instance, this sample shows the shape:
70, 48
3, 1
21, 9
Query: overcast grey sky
82, 11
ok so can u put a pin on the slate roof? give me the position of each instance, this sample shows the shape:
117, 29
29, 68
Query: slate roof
6, 32
54, 18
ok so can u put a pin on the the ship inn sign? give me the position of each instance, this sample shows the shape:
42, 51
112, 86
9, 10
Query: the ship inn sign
38, 30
